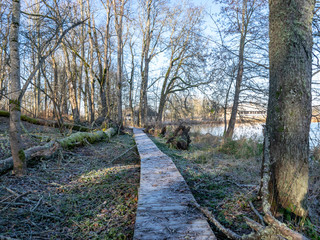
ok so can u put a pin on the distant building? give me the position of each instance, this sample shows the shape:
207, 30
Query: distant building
252, 110
246, 112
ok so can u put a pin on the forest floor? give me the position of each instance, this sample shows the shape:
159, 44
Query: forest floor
227, 184
87, 192
90, 192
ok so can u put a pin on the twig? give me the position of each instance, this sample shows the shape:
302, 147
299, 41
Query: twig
20, 196
11, 191
13, 201
122, 154
242, 185
46, 215
3, 200
37, 205
7, 238
257, 213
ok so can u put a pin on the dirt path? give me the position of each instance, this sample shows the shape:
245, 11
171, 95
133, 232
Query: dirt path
163, 208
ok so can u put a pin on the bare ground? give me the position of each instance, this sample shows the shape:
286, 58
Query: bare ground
89, 192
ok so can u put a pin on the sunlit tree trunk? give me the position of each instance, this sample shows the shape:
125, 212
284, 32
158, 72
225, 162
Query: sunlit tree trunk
19, 163
5, 29
118, 6
64, 92
91, 91
239, 77
145, 61
105, 74
82, 45
289, 107
71, 81
131, 81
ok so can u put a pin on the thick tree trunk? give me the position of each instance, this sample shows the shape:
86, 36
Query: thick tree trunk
73, 100
161, 109
17, 152
63, 90
289, 107
103, 99
143, 108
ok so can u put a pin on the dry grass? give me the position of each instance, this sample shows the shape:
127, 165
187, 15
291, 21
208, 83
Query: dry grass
226, 183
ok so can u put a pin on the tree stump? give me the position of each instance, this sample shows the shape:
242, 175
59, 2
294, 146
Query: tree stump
149, 129
180, 138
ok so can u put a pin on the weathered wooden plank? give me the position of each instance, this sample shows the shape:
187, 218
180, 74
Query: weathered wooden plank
164, 196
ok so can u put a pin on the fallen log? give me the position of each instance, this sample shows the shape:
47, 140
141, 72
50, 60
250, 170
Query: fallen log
49, 123
49, 149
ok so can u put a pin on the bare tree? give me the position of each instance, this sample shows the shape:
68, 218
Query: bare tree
185, 56
151, 26
249, 16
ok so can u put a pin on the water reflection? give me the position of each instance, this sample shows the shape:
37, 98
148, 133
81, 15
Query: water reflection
253, 131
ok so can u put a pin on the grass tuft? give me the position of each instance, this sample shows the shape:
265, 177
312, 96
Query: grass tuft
243, 148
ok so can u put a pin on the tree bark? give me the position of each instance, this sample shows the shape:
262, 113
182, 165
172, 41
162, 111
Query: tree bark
19, 163
289, 106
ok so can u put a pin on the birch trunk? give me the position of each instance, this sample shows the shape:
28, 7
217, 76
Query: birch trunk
19, 163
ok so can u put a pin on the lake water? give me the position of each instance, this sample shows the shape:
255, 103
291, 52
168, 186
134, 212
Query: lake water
253, 131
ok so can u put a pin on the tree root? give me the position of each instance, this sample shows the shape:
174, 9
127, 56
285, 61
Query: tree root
49, 149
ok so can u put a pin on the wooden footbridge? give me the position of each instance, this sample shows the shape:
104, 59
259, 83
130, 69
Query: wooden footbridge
164, 210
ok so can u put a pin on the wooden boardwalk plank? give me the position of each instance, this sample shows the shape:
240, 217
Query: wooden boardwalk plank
163, 210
